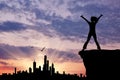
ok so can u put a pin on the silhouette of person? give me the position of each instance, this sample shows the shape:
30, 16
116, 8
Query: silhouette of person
92, 31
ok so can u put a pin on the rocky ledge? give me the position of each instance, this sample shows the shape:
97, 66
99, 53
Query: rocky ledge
101, 64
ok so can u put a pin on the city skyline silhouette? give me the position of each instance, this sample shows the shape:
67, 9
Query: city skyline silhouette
98, 65
47, 72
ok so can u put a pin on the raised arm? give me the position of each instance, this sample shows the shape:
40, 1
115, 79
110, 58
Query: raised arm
85, 19
100, 16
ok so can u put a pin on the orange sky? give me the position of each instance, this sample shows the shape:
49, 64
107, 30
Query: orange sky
24, 64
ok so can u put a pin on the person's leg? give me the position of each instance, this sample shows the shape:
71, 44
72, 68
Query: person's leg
88, 39
95, 38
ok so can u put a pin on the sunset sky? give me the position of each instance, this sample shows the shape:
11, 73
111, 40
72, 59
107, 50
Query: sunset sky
26, 26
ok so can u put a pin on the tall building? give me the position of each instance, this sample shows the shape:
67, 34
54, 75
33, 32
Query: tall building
50, 70
39, 68
45, 59
30, 70
15, 70
53, 69
34, 66
45, 63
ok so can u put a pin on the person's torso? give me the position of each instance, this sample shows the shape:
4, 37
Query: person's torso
92, 27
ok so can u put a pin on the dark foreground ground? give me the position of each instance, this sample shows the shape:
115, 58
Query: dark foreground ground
101, 64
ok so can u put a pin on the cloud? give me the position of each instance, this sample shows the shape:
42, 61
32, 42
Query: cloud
35, 38
3, 63
47, 16
5, 55
53, 7
107, 3
69, 28
12, 52
59, 8
55, 21
6, 69
63, 56
11, 26
21, 17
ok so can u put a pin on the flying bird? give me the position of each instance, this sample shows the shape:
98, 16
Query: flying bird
42, 48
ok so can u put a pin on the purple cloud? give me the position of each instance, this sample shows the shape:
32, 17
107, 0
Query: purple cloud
3, 63
11, 26
11, 52
63, 56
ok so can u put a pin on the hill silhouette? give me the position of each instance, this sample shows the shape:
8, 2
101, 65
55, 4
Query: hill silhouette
101, 64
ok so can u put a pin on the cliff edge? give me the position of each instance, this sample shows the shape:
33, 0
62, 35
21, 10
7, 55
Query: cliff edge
101, 64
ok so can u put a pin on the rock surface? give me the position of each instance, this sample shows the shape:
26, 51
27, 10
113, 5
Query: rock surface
101, 64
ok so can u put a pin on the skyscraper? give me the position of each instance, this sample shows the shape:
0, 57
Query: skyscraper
15, 70
45, 63
53, 69
34, 66
39, 68
30, 70
45, 59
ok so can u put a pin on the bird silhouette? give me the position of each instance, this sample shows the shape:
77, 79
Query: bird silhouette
42, 48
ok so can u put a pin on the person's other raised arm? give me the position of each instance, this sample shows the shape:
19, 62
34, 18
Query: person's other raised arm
100, 16
85, 19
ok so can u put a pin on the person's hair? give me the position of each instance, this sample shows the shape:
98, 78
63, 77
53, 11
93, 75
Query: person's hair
93, 18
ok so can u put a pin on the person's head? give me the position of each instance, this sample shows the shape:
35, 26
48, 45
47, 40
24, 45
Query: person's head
93, 19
